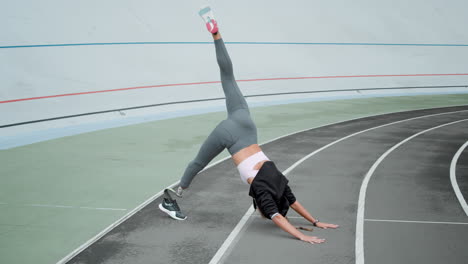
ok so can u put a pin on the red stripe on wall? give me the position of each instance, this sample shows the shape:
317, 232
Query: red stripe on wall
247, 80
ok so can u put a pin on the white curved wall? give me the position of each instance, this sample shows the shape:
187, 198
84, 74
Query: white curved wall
28, 72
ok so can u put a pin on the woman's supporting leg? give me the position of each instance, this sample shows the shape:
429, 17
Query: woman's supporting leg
213, 145
234, 98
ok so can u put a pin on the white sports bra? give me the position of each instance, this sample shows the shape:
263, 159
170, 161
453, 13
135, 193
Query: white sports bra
246, 167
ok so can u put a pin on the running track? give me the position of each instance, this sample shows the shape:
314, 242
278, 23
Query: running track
329, 184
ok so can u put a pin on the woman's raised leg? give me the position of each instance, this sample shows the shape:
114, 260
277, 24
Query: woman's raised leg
234, 98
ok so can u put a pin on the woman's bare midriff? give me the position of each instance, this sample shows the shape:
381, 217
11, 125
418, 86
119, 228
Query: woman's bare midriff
244, 153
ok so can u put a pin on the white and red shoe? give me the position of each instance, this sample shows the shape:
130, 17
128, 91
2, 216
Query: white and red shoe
207, 15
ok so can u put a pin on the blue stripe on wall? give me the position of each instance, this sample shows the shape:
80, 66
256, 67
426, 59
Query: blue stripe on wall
236, 43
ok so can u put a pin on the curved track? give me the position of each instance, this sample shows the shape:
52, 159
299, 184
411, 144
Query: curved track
412, 183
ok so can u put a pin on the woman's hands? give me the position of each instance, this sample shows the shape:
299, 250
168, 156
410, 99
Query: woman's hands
326, 225
312, 239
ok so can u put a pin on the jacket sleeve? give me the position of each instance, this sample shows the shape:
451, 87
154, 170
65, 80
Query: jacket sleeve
266, 204
289, 195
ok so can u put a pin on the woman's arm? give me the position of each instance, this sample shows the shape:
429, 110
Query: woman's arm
304, 213
284, 224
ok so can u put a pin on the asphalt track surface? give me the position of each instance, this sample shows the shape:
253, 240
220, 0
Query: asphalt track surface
411, 215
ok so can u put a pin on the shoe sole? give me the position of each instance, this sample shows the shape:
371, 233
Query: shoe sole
170, 213
204, 10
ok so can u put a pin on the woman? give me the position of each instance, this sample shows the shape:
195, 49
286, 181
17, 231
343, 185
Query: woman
238, 133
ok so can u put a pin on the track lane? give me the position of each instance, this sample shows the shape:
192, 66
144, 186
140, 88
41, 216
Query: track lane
331, 193
215, 204
413, 184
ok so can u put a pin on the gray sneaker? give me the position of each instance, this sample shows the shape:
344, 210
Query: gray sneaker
172, 209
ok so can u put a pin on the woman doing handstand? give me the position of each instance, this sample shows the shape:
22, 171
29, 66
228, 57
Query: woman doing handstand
238, 133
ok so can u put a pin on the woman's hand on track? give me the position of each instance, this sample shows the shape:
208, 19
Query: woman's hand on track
312, 239
326, 225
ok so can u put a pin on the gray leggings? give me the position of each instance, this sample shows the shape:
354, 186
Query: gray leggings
234, 133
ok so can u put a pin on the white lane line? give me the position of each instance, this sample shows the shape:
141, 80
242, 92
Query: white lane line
71, 207
453, 178
232, 236
154, 197
415, 222
102, 208
49, 205
362, 193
